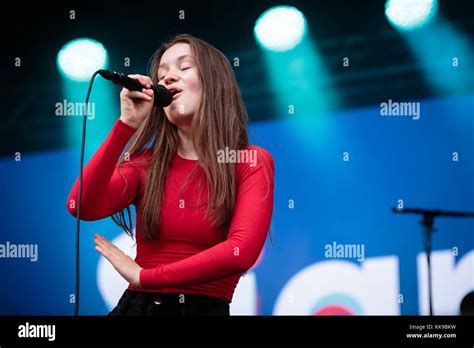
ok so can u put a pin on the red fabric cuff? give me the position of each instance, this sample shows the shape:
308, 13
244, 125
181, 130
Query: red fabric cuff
148, 278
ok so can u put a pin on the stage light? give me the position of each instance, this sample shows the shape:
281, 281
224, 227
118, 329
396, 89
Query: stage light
280, 28
407, 15
80, 58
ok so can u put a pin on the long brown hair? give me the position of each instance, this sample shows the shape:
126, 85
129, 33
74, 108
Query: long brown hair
220, 122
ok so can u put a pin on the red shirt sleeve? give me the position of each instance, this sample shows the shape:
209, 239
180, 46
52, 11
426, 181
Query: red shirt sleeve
107, 188
246, 237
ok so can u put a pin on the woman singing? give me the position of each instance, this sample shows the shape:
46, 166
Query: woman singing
203, 195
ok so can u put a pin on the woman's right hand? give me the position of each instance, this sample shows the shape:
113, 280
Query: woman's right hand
136, 106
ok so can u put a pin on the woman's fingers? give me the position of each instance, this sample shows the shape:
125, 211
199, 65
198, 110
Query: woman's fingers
144, 80
149, 92
102, 251
107, 249
148, 81
99, 238
102, 242
139, 95
107, 245
141, 79
146, 93
123, 263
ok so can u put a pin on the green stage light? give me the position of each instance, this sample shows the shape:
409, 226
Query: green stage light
280, 28
80, 58
407, 15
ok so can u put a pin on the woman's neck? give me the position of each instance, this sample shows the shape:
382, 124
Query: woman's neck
186, 147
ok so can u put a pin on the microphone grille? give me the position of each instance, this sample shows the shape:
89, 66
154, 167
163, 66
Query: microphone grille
163, 96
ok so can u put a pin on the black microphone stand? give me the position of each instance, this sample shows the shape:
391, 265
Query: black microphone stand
427, 222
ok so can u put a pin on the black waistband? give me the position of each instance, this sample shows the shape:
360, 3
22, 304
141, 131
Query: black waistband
178, 297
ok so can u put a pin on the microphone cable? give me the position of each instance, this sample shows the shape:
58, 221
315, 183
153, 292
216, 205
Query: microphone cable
79, 198
163, 97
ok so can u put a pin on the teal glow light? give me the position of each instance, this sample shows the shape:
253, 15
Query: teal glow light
406, 15
280, 28
80, 58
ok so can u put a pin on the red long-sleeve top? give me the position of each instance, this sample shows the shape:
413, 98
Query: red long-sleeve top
188, 256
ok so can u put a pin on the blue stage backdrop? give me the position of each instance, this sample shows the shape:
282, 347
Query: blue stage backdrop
337, 246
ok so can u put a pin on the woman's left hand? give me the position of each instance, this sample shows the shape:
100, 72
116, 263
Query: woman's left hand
123, 263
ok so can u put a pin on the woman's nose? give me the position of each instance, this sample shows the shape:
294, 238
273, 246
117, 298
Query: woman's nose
170, 78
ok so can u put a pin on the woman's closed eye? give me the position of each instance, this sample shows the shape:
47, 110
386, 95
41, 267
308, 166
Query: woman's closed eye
182, 68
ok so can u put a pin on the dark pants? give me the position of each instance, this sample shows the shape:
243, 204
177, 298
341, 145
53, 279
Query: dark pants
148, 303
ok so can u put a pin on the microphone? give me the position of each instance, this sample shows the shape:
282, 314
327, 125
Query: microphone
163, 97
